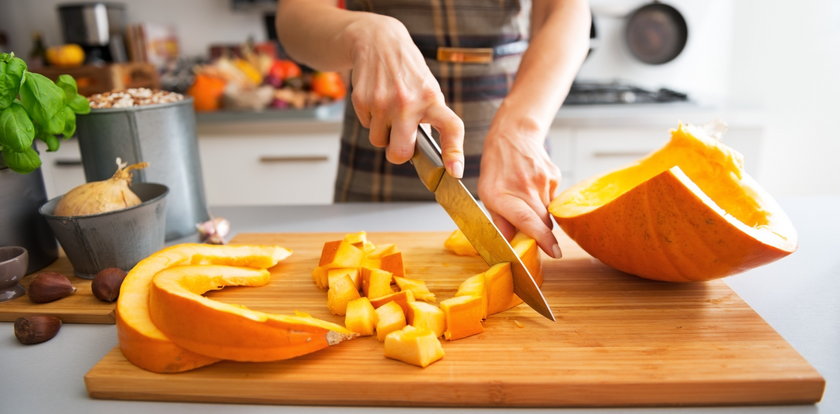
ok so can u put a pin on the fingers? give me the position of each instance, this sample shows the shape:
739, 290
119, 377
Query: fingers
503, 225
520, 215
451, 129
379, 132
401, 144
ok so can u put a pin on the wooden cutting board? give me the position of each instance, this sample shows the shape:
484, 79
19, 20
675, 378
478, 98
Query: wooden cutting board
80, 307
618, 341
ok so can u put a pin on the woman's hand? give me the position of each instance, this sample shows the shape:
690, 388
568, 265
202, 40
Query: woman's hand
394, 91
518, 181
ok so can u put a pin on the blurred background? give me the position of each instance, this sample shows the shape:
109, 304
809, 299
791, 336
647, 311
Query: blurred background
767, 69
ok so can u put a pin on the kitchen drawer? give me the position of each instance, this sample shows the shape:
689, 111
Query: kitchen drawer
269, 168
62, 169
598, 150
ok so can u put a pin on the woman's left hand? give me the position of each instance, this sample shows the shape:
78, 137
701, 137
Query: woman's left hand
517, 182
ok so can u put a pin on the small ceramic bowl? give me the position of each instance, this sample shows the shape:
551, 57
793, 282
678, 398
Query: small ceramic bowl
13, 263
118, 238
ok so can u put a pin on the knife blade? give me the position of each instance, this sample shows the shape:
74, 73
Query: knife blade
473, 221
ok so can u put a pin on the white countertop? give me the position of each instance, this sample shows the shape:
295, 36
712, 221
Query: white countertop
799, 296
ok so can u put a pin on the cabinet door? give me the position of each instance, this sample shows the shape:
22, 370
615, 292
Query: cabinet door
269, 169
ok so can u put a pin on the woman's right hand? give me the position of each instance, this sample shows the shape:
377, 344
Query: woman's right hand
394, 91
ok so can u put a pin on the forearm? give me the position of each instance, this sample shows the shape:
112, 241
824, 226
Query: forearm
323, 36
559, 43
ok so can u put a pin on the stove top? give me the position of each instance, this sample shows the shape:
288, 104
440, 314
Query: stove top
605, 93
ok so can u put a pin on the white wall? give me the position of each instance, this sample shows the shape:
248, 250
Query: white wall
786, 59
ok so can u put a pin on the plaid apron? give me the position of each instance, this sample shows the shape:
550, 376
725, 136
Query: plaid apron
474, 91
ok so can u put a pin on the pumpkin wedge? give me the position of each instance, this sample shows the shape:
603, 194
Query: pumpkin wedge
228, 331
141, 342
686, 212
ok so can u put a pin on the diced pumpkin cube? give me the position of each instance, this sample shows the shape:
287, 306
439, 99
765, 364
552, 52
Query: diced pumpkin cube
426, 316
361, 317
376, 282
339, 253
390, 317
416, 286
319, 276
415, 346
457, 243
342, 290
357, 239
403, 298
527, 250
393, 262
353, 273
463, 316
498, 283
383, 250
475, 286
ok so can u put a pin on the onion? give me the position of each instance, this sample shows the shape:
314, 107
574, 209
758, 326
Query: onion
101, 196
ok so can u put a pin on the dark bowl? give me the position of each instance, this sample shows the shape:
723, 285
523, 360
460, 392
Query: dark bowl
118, 238
13, 263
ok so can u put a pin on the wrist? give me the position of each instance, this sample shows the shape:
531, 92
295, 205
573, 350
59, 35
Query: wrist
368, 30
512, 121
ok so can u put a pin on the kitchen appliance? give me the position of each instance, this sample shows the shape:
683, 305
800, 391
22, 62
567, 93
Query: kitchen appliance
656, 33
476, 225
97, 27
621, 341
617, 92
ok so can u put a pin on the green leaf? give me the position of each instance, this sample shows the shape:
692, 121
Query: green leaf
69, 122
43, 101
16, 129
11, 75
78, 103
23, 162
51, 141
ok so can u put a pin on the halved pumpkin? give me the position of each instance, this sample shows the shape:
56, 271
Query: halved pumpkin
141, 342
686, 212
228, 331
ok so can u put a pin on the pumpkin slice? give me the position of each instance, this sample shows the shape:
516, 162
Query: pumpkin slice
227, 331
417, 287
415, 346
141, 342
427, 316
463, 316
457, 243
361, 316
402, 298
686, 212
390, 317
476, 286
342, 290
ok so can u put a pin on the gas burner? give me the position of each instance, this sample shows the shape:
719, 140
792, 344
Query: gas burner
605, 93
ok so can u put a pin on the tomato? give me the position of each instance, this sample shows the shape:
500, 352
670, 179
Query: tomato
329, 84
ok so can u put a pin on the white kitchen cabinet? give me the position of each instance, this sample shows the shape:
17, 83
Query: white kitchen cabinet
275, 163
62, 169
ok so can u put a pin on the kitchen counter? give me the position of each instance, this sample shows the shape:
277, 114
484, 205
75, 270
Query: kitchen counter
798, 296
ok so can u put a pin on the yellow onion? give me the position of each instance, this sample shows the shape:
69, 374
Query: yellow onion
101, 196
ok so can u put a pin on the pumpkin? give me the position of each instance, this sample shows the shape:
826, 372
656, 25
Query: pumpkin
417, 346
686, 212
389, 318
463, 315
140, 340
427, 316
228, 331
361, 316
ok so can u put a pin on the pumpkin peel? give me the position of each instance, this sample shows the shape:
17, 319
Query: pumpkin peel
686, 212
140, 340
229, 331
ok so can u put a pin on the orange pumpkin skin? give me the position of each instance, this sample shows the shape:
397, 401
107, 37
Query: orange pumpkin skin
227, 331
141, 342
687, 212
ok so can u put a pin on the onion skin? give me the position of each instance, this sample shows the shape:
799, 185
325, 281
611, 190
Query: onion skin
101, 196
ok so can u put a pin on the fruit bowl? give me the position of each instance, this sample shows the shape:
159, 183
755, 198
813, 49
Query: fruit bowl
13, 263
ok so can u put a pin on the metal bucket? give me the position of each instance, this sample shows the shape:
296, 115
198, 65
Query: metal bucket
20, 223
162, 135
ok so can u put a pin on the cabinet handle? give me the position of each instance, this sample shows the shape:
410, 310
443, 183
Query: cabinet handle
614, 154
68, 162
267, 159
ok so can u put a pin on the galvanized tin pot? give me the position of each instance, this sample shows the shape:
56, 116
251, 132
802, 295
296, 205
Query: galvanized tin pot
118, 238
162, 135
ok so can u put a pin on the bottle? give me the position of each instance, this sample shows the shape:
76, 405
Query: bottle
38, 53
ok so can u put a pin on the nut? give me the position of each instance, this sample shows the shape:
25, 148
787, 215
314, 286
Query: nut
106, 284
35, 329
49, 286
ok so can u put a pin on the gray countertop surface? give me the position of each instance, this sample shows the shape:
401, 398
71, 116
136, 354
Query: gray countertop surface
799, 296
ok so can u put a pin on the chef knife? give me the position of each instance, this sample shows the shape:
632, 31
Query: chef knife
476, 225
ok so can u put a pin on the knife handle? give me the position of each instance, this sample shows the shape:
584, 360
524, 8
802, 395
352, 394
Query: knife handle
427, 160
